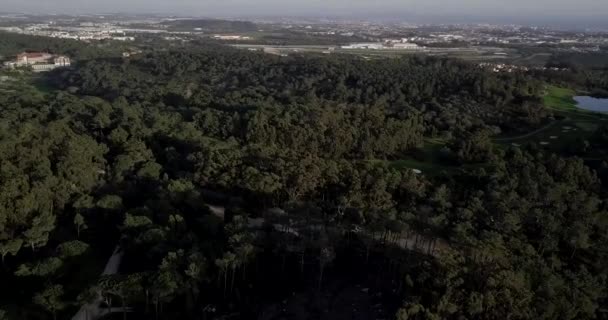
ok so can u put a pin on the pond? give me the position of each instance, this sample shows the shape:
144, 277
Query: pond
591, 103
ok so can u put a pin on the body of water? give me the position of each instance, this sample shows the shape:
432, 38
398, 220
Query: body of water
592, 104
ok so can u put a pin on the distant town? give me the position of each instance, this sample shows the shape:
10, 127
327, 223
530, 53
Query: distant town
128, 28
501, 47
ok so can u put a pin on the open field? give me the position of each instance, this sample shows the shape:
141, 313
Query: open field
428, 160
560, 99
535, 59
472, 54
562, 102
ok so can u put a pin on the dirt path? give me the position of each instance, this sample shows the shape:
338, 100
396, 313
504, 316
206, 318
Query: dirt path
92, 310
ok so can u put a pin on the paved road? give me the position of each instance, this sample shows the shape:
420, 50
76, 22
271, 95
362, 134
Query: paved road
93, 310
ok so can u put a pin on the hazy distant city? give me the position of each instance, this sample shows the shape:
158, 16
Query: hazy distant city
503, 45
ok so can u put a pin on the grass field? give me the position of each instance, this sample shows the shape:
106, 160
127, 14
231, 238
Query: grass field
562, 102
573, 125
560, 99
427, 159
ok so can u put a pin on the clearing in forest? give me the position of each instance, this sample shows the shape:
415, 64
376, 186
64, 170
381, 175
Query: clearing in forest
572, 125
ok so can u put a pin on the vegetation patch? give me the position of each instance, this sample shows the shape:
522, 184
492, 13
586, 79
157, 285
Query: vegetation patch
560, 99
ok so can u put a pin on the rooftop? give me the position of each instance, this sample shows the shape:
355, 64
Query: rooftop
33, 55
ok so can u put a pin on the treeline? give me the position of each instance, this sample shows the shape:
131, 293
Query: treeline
583, 71
451, 97
592, 81
12, 44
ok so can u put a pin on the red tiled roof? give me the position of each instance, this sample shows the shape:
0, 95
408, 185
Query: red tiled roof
32, 54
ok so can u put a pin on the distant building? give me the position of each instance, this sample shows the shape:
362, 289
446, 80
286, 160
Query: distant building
372, 45
39, 61
407, 46
131, 53
125, 38
29, 58
62, 61
384, 46
231, 37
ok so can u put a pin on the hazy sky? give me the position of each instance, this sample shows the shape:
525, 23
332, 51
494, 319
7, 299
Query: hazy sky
498, 8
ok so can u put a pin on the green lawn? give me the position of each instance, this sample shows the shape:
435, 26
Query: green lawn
424, 166
426, 159
562, 102
560, 99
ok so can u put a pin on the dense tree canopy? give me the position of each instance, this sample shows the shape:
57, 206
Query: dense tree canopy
295, 153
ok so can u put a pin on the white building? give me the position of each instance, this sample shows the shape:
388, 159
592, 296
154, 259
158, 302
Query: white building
369, 45
384, 46
39, 61
407, 46
231, 37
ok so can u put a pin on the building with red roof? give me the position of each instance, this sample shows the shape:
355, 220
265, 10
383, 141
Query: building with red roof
39, 61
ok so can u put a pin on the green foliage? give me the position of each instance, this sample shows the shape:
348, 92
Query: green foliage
136, 221
148, 142
51, 299
560, 98
80, 223
42, 268
474, 147
38, 234
11, 246
150, 170
110, 202
72, 249
12, 44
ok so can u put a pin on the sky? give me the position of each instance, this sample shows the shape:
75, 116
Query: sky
516, 9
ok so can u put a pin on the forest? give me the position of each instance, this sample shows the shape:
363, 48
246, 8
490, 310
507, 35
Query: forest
238, 185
